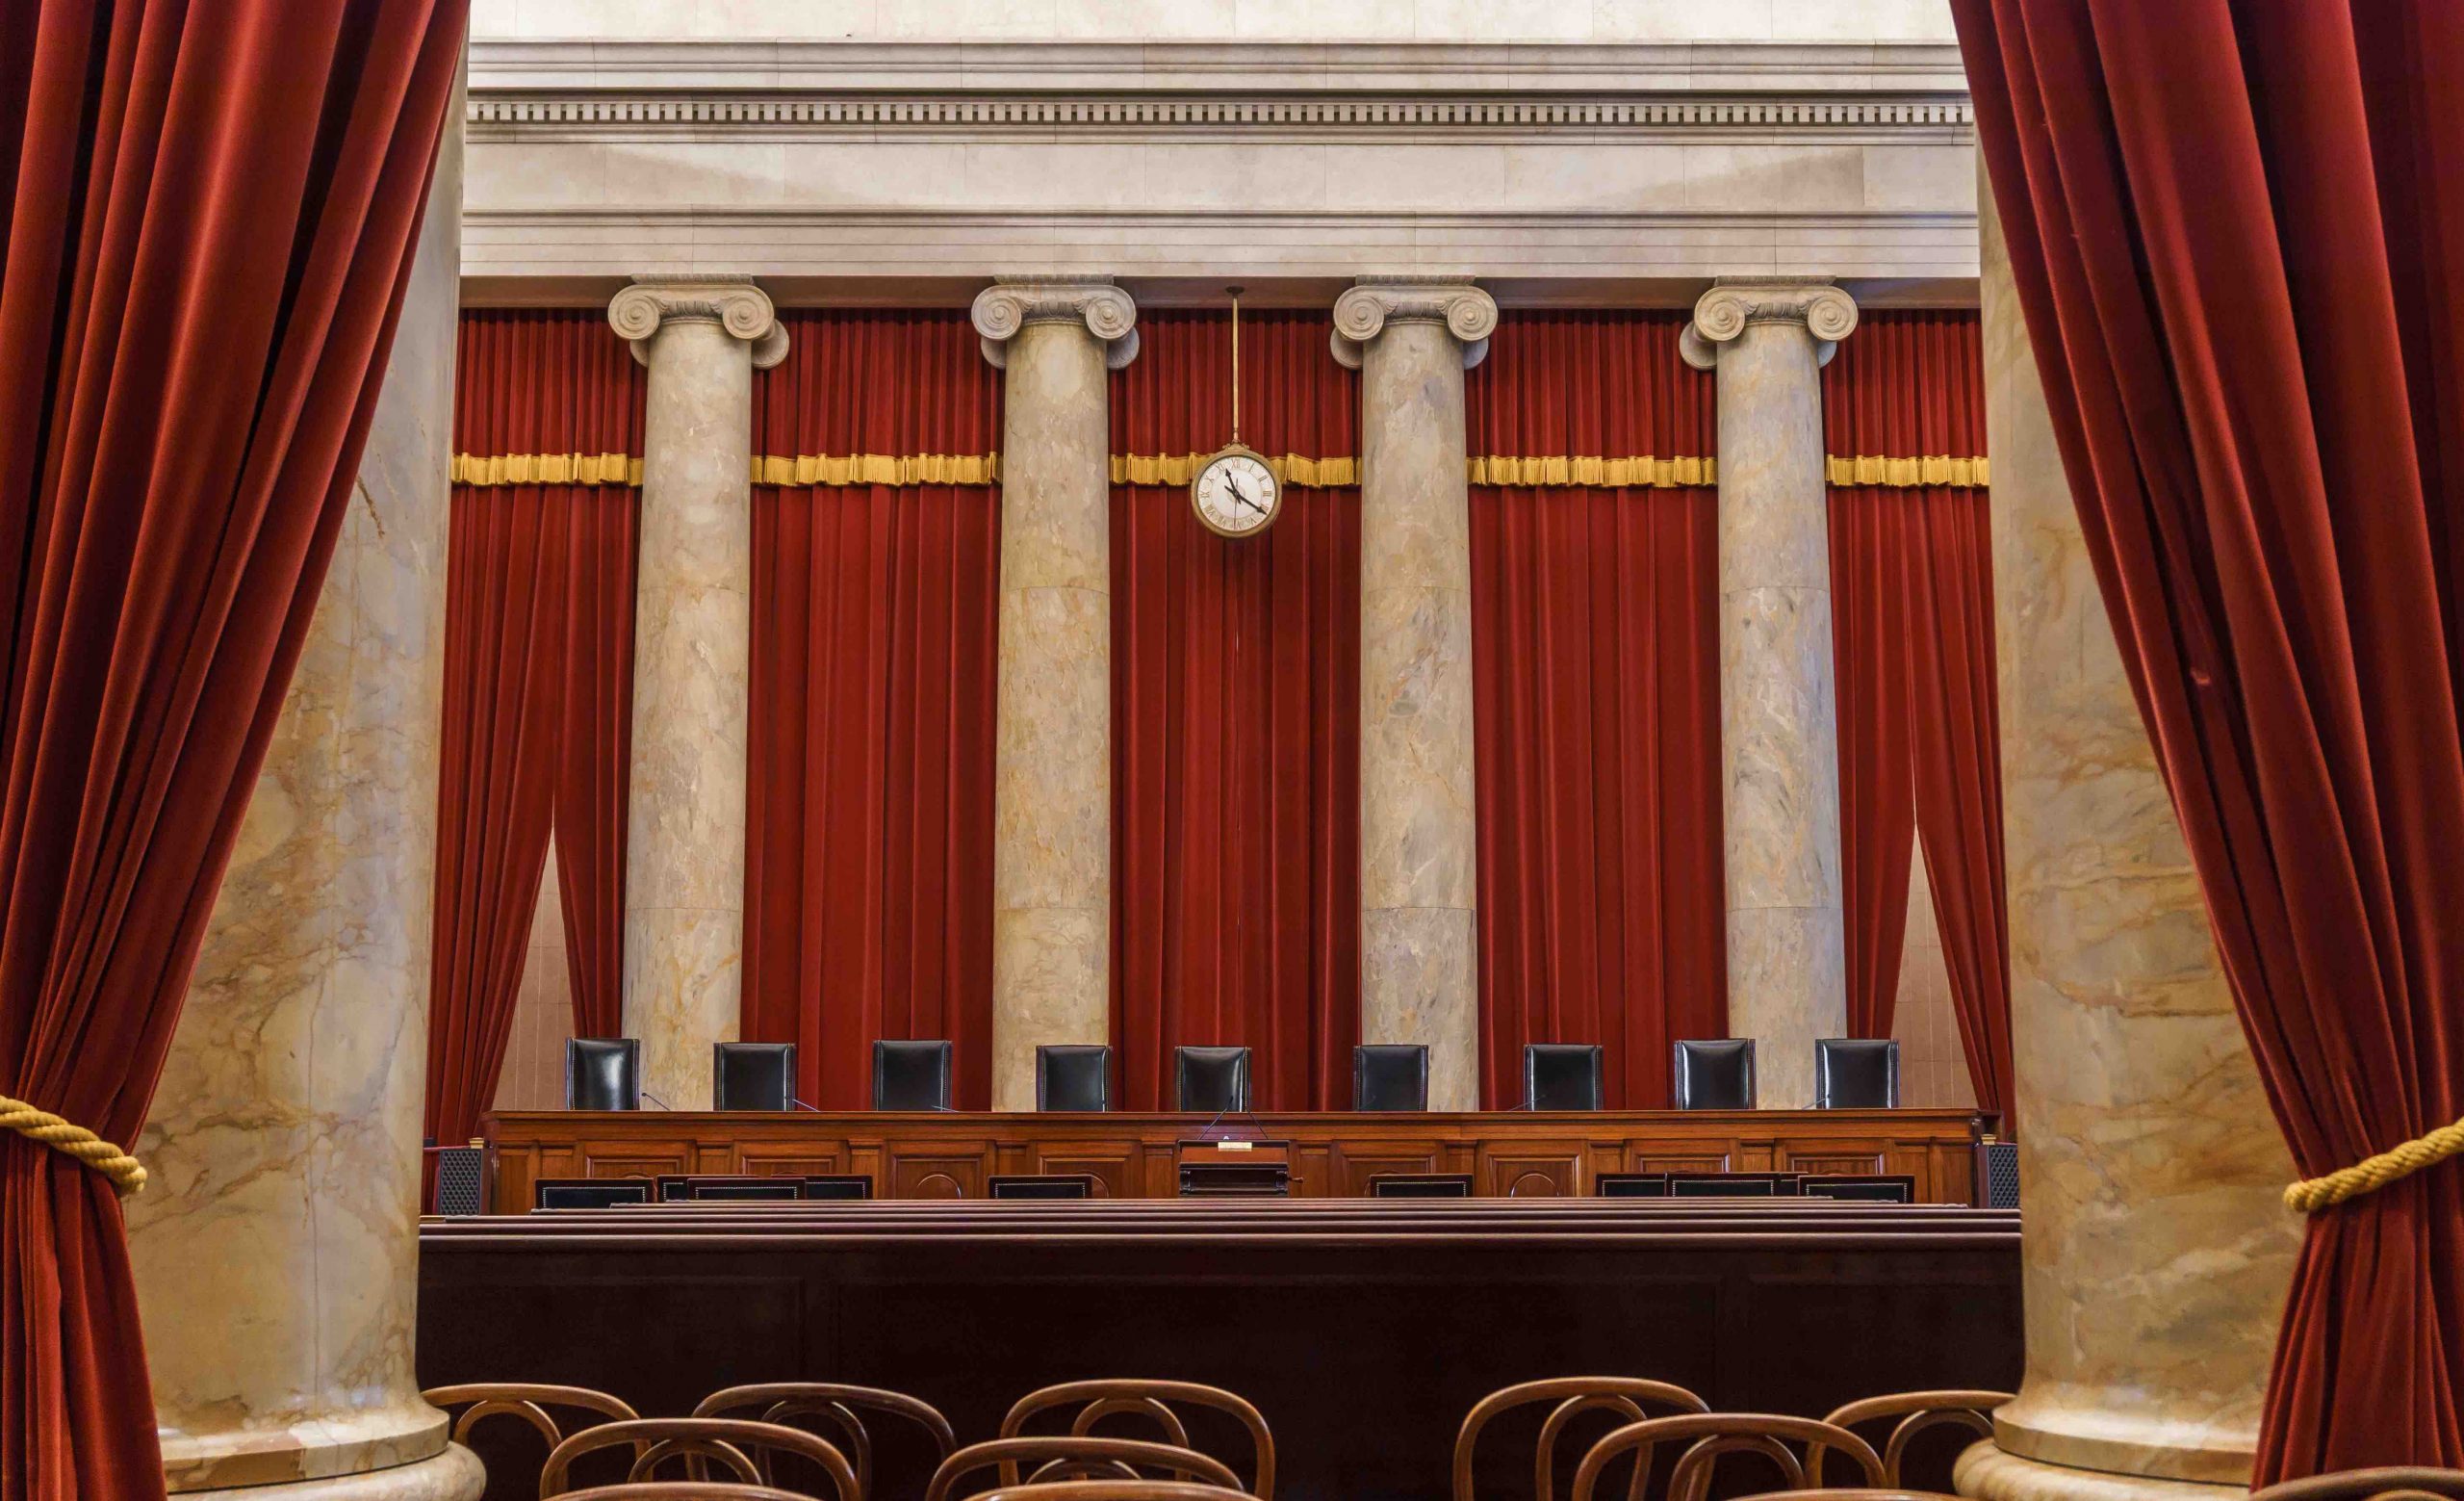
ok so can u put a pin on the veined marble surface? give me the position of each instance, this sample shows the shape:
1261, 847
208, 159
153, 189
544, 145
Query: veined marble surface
2156, 1250
275, 1249
1052, 780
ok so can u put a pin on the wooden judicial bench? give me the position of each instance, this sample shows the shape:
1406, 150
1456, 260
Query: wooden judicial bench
1508, 1153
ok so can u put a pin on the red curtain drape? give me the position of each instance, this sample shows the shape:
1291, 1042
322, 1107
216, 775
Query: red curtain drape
1236, 719
1596, 680
2236, 233
1911, 569
538, 685
207, 229
868, 879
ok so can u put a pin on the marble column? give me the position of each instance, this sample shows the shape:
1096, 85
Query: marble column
1053, 340
276, 1249
2155, 1250
1411, 338
692, 658
1779, 732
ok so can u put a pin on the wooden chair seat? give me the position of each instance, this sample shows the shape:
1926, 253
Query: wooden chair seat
1118, 1490
682, 1491
2391, 1482
1060, 1457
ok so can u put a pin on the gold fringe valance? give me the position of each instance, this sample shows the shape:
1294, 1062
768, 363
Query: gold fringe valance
835, 469
546, 469
1960, 474
1586, 470
1178, 469
1310, 473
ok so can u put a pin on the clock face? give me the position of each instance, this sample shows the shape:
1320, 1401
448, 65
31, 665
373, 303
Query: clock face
1236, 495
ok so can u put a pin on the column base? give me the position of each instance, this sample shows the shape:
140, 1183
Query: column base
1989, 1473
455, 1475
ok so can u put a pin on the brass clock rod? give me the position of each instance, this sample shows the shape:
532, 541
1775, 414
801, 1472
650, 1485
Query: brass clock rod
1235, 362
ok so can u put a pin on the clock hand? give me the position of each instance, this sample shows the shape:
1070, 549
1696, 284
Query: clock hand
1243, 496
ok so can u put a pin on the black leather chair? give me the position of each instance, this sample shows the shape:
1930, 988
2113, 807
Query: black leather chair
1390, 1077
753, 1076
1419, 1185
1073, 1076
1213, 1079
1039, 1185
1561, 1075
911, 1074
588, 1192
1856, 1074
1859, 1187
602, 1073
1713, 1075
1733, 1185
1631, 1185
839, 1186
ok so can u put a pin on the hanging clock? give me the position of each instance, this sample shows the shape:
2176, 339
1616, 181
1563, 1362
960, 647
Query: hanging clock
1234, 493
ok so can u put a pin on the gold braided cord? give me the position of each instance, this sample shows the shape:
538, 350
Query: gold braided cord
126, 1172
1640, 471
2311, 1195
1932, 469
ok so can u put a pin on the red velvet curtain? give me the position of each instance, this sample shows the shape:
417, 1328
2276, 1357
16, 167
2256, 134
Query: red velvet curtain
2236, 232
207, 229
538, 685
868, 879
1236, 721
1912, 568
1596, 681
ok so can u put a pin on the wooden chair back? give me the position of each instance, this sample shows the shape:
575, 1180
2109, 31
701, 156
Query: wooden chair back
730, 1443
1714, 1434
680, 1490
1118, 1490
2392, 1483
844, 1405
1574, 1395
1917, 1411
1060, 1457
528, 1401
1153, 1401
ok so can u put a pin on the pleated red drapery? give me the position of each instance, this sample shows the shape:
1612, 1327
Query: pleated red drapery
2234, 232
1596, 677
1236, 717
208, 233
1912, 606
868, 879
538, 684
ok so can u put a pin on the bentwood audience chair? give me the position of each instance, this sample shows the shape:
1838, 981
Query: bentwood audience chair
1073, 1076
1714, 1434
1713, 1075
1390, 1077
753, 1076
1572, 1396
1856, 1074
844, 1407
1152, 1400
682, 1491
530, 1402
2397, 1483
602, 1073
747, 1450
1116, 1490
911, 1074
1917, 1412
1059, 1457
1561, 1075
1212, 1078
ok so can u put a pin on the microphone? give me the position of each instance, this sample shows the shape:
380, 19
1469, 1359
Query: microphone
654, 1100
800, 1105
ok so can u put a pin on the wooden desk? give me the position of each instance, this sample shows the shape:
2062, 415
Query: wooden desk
1508, 1153
1363, 1330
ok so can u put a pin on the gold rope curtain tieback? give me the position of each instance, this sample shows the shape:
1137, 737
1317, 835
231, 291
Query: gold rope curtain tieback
2314, 1194
126, 1172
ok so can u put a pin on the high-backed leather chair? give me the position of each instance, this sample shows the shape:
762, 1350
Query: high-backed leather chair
911, 1074
753, 1076
1213, 1079
588, 1192
602, 1073
1073, 1076
1561, 1075
1713, 1075
1856, 1074
1390, 1077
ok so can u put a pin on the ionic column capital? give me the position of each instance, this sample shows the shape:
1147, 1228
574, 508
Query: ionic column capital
1013, 303
1362, 311
735, 303
1826, 313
